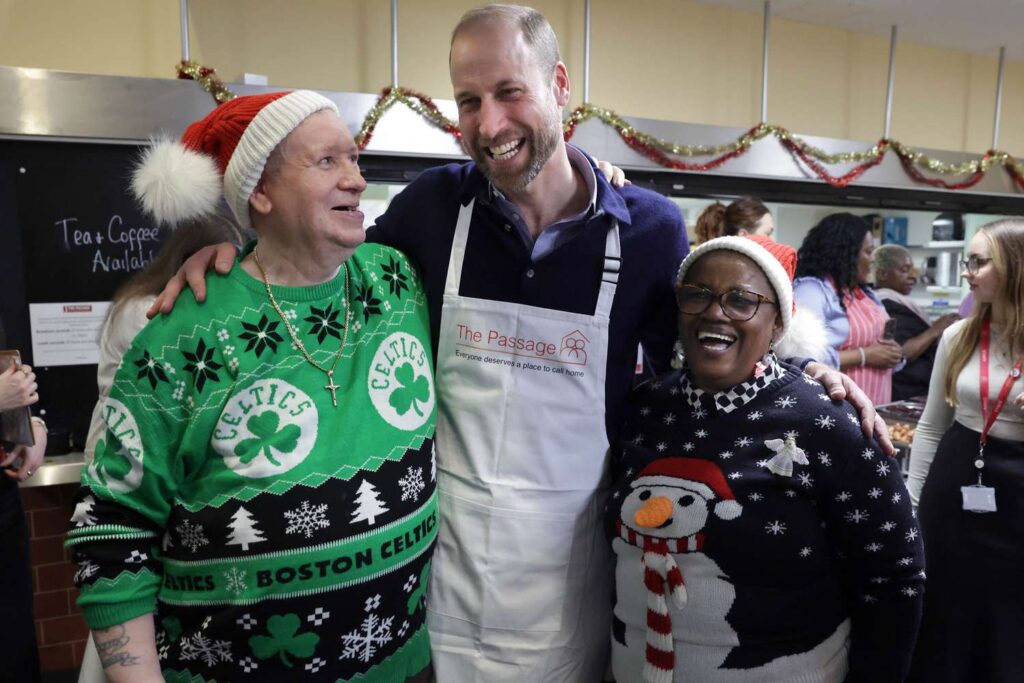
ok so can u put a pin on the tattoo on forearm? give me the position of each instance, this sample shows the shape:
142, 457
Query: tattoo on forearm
109, 645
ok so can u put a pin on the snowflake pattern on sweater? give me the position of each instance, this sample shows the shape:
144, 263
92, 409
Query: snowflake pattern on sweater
271, 534
826, 559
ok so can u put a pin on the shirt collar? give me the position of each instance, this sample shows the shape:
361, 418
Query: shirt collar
603, 197
737, 396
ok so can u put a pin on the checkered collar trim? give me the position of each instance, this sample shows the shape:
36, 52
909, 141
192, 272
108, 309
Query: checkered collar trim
739, 395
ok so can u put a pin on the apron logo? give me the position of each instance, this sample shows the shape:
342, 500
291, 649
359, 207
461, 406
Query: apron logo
400, 383
266, 429
574, 347
121, 470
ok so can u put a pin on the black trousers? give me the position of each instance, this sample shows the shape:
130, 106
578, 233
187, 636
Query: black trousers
973, 625
19, 657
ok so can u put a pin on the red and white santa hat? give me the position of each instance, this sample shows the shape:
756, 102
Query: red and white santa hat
803, 332
700, 476
225, 152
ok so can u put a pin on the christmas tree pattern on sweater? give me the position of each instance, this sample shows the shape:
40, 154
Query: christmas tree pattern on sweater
271, 534
788, 530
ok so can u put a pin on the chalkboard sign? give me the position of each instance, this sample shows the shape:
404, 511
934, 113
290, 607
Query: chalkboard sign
70, 232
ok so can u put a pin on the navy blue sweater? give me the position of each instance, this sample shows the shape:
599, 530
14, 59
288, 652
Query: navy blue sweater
420, 221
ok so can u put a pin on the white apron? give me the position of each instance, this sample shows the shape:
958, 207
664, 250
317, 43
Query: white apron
521, 582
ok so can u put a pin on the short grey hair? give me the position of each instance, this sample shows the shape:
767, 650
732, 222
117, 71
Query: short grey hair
889, 257
535, 28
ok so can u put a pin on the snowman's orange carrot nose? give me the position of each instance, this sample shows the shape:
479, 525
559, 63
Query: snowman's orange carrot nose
654, 512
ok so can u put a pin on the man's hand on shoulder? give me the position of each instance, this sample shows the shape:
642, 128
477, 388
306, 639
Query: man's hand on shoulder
192, 274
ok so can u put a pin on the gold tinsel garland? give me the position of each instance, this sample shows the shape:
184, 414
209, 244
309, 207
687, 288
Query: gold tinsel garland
661, 150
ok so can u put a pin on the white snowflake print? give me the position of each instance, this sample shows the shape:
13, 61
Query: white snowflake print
363, 643
86, 569
755, 497
791, 434
699, 413
824, 397
315, 665
169, 368
911, 535
756, 415
412, 484
291, 314
775, 528
743, 442
825, 421
805, 551
319, 616
805, 479
875, 493
233, 364
229, 350
725, 455
879, 579
909, 591
661, 447
674, 391
410, 583
638, 439
905, 561
856, 516
843, 496
136, 557
179, 390
853, 419
688, 446
655, 385
223, 335
246, 622
190, 402
206, 649
670, 418
235, 578
248, 665
790, 493
700, 433
735, 475
372, 603
306, 519
867, 454
873, 547
888, 526
869, 599
405, 626
762, 463
191, 535
785, 402
897, 497
824, 458
882, 469
645, 411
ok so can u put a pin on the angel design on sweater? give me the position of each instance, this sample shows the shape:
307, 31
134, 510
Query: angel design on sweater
672, 599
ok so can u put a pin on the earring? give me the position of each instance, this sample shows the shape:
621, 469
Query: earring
678, 357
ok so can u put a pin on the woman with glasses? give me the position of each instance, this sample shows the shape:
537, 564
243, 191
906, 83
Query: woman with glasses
759, 536
831, 279
967, 476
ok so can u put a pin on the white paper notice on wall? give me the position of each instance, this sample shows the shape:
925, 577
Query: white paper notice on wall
67, 333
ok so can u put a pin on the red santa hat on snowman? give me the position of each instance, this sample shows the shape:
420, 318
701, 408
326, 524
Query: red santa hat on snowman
699, 476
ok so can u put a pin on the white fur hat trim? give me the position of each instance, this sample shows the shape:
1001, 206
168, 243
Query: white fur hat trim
174, 183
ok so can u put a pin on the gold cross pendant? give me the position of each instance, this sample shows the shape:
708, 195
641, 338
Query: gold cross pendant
332, 387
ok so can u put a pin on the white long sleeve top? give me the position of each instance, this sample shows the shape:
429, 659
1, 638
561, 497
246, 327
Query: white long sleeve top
939, 415
114, 341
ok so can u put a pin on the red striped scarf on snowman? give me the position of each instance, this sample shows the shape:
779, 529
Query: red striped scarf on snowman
661, 570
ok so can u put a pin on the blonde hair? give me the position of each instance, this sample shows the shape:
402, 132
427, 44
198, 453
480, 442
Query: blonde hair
535, 28
1006, 239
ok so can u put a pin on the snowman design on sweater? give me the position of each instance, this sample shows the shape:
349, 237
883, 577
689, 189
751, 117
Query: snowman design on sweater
659, 549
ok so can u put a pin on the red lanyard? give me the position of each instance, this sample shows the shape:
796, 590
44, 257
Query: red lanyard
990, 418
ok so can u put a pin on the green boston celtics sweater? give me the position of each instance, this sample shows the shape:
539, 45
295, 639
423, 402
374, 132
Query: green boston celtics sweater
272, 533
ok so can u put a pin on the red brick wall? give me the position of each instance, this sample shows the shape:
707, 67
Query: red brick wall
59, 626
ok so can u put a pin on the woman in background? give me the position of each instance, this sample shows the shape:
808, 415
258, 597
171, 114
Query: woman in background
832, 270
973, 621
127, 313
744, 216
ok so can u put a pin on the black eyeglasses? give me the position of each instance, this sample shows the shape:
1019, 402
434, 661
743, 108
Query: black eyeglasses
974, 263
737, 304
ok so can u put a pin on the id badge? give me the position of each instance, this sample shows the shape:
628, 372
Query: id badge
978, 498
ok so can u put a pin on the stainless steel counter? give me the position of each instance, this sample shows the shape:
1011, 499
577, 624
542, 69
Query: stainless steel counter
57, 469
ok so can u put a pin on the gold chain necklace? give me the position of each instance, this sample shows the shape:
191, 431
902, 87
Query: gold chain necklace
330, 386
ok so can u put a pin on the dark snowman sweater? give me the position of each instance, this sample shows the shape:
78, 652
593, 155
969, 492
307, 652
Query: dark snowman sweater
837, 540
